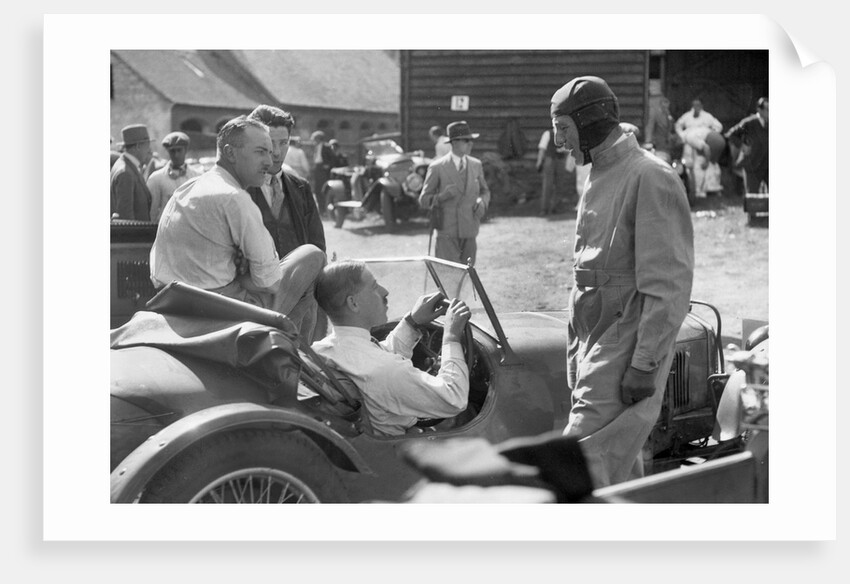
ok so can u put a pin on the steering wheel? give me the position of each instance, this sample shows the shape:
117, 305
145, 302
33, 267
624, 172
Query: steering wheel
431, 342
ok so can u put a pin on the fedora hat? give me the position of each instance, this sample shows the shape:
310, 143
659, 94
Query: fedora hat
460, 131
134, 134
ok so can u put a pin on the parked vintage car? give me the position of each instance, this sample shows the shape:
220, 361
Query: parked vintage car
378, 184
205, 424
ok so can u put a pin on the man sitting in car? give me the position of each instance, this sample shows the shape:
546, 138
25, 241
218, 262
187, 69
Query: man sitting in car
395, 393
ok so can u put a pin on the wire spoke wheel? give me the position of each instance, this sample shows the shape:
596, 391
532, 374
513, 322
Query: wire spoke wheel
248, 466
256, 485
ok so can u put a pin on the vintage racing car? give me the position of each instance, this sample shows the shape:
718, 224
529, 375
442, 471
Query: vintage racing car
378, 184
205, 396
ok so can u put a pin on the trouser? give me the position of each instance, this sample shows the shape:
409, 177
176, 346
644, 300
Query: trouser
753, 180
321, 174
554, 178
705, 175
456, 249
611, 433
295, 296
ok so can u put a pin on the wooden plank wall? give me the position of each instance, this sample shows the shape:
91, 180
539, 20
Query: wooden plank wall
508, 84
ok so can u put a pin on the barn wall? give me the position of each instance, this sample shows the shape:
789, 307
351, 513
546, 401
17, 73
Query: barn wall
508, 84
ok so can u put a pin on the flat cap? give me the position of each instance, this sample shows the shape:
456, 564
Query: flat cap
175, 139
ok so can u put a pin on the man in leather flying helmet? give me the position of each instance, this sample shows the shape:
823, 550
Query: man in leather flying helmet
633, 269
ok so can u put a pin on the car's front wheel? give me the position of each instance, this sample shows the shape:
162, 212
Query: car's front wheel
248, 466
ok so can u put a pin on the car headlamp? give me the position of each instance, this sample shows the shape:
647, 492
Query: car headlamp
755, 392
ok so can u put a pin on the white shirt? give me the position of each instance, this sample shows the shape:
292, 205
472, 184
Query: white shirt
297, 160
395, 393
162, 185
202, 225
442, 147
688, 122
544, 141
457, 160
267, 187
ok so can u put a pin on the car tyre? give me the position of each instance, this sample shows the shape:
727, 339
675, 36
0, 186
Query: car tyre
248, 466
339, 216
387, 211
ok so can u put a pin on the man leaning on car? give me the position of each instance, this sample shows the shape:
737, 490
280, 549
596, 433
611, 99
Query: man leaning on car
396, 395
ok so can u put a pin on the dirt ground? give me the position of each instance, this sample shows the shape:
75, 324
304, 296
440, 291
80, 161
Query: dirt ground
525, 261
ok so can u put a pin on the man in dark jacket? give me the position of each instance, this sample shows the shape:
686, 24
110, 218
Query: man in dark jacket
751, 134
286, 203
130, 197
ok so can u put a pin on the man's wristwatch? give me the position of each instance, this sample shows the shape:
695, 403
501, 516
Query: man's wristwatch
408, 318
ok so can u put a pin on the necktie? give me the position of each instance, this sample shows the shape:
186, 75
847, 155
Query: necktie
277, 195
462, 166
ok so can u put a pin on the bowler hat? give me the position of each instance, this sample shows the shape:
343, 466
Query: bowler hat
135, 134
175, 139
460, 131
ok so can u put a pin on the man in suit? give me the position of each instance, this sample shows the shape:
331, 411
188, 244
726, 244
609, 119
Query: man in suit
130, 197
288, 208
455, 182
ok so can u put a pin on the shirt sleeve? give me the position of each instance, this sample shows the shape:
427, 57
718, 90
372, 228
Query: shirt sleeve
483, 189
430, 188
664, 263
252, 238
417, 393
409, 391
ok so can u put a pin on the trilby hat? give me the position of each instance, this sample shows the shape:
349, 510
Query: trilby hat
460, 131
134, 134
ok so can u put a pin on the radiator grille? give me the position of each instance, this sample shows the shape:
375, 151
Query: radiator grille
678, 393
133, 278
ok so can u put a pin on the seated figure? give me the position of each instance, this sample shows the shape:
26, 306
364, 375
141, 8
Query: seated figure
395, 393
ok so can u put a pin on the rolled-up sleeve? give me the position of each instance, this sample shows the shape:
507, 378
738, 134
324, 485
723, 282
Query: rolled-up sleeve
664, 263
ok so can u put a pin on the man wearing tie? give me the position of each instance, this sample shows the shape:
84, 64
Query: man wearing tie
163, 182
395, 393
287, 204
456, 184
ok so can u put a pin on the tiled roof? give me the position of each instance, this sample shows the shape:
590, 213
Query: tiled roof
349, 80
183, 78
